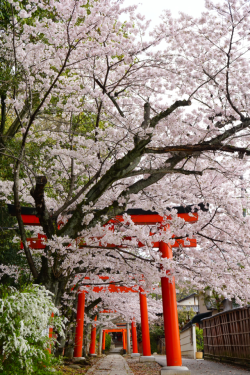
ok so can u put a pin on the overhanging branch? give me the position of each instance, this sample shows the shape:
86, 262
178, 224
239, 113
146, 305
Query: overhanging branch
163, 170
116, 207
179, 103
191, 149
110, 97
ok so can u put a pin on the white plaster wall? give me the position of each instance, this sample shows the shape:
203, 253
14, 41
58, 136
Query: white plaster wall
188, 342
190, 301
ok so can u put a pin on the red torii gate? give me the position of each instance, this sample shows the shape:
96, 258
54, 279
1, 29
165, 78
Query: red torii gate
112, 288
123, 330
172, 339
118, 329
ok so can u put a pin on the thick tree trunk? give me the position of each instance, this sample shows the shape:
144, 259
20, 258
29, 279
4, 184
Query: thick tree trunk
70, 332
86, 340
53, 284
69, 345
56, 286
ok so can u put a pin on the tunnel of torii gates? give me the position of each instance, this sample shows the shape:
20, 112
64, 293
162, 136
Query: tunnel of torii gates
170, 314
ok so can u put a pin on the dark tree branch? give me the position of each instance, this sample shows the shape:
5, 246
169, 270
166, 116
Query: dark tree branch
119, 250
3, 114
191, 149
93, 304
20, 221
179, 103
146, 120
116, 208
110, 97
84, 188
227, 72
163, 170
38, 194
16, 123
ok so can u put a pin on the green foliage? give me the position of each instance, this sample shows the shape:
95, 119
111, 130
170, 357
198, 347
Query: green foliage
5, 14
212, 299
185, 316
39, 367
9, 251
156, 296
156, 331
107, 342
199, 339
153, 344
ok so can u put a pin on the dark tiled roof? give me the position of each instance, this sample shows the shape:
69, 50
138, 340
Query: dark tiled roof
185, 298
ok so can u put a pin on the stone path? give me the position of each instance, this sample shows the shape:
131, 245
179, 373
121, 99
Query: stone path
206, 367
115, 350
112, 364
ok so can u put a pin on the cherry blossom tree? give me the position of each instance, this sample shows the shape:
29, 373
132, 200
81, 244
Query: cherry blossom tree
106, 118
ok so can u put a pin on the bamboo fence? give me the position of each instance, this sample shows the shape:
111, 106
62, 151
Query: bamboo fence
227, 334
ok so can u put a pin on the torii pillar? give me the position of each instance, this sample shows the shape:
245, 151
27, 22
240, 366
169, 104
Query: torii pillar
93, 340
134, 340
103, 342
147, 357
124, 341
171, 326
79, 325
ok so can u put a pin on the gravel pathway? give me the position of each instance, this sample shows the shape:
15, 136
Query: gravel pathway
206, 367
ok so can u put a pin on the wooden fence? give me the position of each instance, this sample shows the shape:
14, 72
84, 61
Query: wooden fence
161, 349
227, 336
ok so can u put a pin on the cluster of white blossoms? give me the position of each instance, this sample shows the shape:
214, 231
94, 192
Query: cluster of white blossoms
23, 318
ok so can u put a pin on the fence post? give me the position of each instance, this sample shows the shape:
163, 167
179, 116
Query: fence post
128, 339
100, 343
194, 339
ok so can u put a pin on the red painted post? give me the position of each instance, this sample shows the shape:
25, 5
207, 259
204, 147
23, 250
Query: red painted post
170, 313
93, 339
51, 333
134, 337
144, 324
79, 325
124, 341
103, 342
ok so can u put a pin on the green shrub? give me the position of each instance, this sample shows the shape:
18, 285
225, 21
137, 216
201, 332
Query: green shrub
24, 319
156, 332
39, 367
199, 339
107, 341
153, 345
185, 316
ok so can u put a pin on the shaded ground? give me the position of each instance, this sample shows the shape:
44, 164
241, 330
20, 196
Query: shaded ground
145, 368
206, 367
82, 369
70, 371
